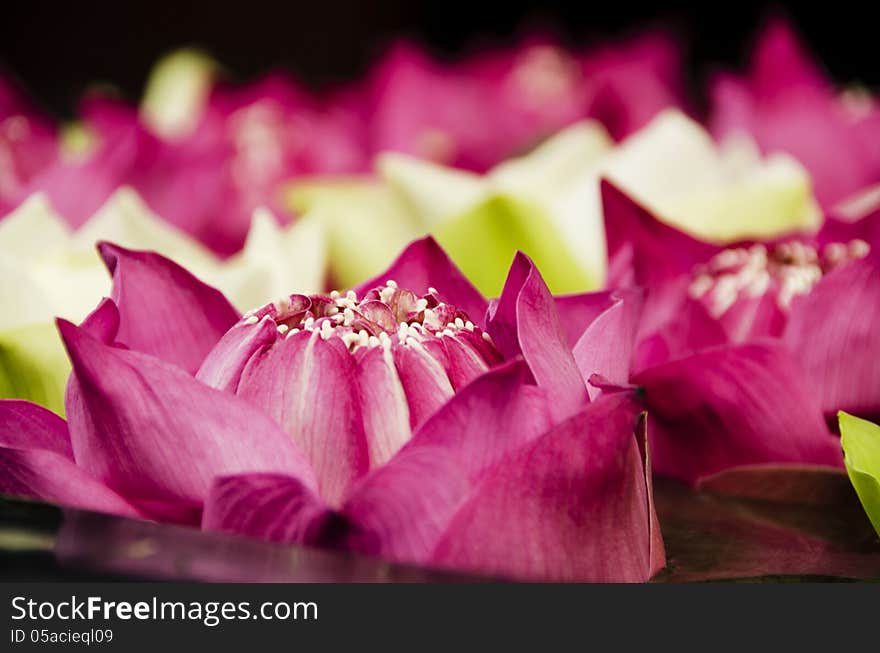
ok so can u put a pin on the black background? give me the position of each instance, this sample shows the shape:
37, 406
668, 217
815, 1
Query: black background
57, 48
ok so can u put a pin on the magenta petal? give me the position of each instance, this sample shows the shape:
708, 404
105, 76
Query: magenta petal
268, 506
654, 251
224, 364
731, 406
573, 505
424, 264
835, 335
674, 326
159, 437
606, 346
401, 510
24, 425
524, 320
577, 312
424, 379
384, 405
165, 311
308, 386
36, 461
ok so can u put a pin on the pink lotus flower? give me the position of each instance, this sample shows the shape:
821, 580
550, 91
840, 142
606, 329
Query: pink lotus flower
746, 353
395, 420
208, 181
475, 114
28, 144
787, 103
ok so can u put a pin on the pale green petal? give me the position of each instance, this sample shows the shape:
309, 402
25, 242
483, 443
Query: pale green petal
554, 164
365, 223
32, 230
673, 167
176, 92
432, 191
483, 241
34, 366
275, 261
861, 444
126, 220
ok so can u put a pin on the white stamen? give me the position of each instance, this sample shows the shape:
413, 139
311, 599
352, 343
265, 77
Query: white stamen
459, 323
469, 325
432, 290
283, 328
253, 319
391, 283
334, 294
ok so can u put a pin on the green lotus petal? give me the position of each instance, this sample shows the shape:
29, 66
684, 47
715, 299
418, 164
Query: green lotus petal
366, 225
483, 241
34, 366
176, 92
861, 444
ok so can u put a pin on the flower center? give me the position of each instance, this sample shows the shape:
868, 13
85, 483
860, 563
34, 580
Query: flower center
383, 316
784, 271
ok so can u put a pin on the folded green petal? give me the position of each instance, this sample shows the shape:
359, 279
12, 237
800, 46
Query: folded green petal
861, 444
33, 366
365, 224
484, 240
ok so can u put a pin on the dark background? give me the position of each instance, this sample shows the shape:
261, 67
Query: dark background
56, 49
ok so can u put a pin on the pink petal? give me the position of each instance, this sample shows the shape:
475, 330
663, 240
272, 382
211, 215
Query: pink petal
24, 425
384, 405
401, 510
654, 251
606, 346
731, 406
424, 264
525, 321
573, 505
165, 311
224, 364
577, 312
424, 379
268, 506
159, 437
36, 461
307, 385
834, 334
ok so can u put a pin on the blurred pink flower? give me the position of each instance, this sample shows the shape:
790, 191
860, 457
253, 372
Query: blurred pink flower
28, 144
786, 103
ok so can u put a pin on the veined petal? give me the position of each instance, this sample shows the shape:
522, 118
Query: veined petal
165, 311
384, 405
36, 461
606, 346
423, 265
153, 433
224, 364
25, 425
424, 380
573, 505
861, 443
525, 321
307, 385
715, 410
401, 509
268, 506
833, 332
